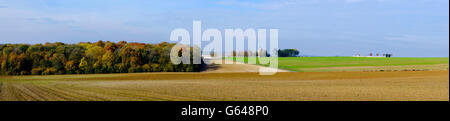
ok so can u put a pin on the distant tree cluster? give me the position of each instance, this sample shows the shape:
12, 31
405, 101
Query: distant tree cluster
288, 53
88, 58
264, 53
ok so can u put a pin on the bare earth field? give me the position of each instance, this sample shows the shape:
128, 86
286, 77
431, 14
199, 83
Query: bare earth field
241, 86
320, 79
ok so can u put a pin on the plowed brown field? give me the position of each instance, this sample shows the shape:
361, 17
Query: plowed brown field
243, 86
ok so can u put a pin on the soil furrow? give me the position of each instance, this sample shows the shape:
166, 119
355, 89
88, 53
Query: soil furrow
26, 90
54, 94
14, 94
84, 95
115, 94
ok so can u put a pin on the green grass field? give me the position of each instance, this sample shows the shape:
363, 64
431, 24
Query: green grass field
321, 64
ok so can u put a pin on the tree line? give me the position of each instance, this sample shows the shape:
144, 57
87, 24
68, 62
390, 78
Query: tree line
264, 53
89, 58
288, 53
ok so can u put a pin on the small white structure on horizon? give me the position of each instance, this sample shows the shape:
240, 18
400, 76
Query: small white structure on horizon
377, 55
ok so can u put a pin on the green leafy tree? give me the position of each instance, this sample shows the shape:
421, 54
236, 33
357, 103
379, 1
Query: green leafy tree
84, 66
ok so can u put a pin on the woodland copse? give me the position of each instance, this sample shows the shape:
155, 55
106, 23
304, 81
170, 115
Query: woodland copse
88, 58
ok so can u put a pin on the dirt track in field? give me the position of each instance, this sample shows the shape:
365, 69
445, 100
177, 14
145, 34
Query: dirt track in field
249, 86
216, 67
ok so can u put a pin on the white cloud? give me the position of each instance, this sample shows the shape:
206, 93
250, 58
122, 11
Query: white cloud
353, 1
407, 38
44, 26
275, 4
271, 4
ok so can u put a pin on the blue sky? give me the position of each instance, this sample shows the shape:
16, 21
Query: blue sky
407, 28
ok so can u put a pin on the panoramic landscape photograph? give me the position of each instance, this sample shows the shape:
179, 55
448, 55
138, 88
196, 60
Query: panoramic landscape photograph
224, 50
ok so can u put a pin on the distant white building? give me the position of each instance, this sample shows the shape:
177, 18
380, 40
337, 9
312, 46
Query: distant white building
371, 55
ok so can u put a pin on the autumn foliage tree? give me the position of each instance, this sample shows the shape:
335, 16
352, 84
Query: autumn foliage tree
88, 58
